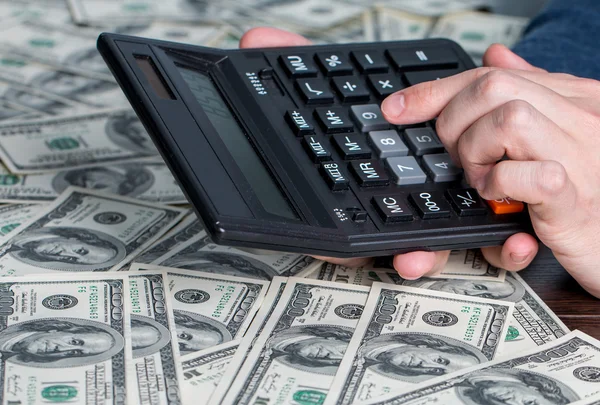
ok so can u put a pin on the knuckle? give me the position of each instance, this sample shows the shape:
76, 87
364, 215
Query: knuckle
493, 83
514, 115
553, 178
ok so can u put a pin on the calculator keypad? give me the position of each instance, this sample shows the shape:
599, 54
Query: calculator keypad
343, 131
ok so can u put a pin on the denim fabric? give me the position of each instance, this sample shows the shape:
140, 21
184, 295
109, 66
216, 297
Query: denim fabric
564, 37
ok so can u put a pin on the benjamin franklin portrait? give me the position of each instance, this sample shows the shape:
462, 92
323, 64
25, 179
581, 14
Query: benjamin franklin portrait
59, 342
220, 263
417, 357
513, 387
67, 249
147, 336
196, 332
130, 179
127, 132
509, 290
317, 349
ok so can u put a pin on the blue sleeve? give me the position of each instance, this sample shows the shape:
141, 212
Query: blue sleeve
564, 37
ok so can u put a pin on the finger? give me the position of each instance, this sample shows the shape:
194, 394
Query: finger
498, 55
494, 90
414, 265
544, 185
515, 129
354, 262
517, 252
266, 37
425, 101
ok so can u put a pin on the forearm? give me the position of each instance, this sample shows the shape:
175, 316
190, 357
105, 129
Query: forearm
564, 37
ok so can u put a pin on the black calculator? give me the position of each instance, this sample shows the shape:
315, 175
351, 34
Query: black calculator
286, 148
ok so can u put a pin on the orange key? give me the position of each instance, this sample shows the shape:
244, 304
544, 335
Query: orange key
506, 206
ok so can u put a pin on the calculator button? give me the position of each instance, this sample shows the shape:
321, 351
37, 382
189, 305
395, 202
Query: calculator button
466, 202
387, 143
370, 62
441, 168
333, 120
406, 170
317, 148
430, 204
315, 91
413, 78
298, 65
350, 89
334, 64
359, 216
423, 141
419, 59
506, 206
299, 124
335, 176
392, 208
368, 117
352, 146
385, 84
369, 173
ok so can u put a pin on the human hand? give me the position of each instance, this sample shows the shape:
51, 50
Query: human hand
545, 123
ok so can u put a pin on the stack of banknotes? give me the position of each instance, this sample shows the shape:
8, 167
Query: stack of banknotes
112, 292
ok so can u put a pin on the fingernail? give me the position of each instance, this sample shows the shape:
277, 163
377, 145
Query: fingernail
517, 258
393, 105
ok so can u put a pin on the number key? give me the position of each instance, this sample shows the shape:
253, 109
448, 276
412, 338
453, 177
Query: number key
430, 204
368, 117
423, 141
441, 168
387, 143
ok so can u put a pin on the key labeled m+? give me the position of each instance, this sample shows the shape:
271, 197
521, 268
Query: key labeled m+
333, 120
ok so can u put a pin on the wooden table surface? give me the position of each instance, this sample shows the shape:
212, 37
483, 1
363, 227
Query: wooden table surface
574, 306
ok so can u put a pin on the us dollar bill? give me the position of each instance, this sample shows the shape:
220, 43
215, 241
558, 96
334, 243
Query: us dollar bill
261, 318
363, 275
394, 25
202, 371
84, 230
466, 264
531, 324
13, 215
434, 8
360, 28
155, 353
199, 253
560, 372
146, 181
187, 229
65, 339
75, 141
210, 309
299, 350
407, 336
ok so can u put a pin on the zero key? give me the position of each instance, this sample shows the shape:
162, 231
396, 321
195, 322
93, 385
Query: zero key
506, 206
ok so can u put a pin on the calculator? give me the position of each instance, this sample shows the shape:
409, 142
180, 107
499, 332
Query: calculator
286, 149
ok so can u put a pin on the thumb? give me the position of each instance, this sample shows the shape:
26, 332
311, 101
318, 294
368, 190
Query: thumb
498, 55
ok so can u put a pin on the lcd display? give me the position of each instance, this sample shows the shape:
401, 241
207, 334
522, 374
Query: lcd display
237, 143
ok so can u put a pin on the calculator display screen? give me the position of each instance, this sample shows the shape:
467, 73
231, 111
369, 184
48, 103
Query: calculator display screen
237, 143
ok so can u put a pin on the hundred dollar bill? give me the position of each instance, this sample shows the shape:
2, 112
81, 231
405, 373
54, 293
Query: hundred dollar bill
15, 112
407, 336
155, 354
202, 371
13, 215
475, 31
84, 230
349, 275
434, 8
561, 372
357, 29
396, 25
531, 324
76, 87
146, 181
194, 33
54, 144
199, 253
210, 309
188, 228
299, 350
261, 318
65, 339
462, 264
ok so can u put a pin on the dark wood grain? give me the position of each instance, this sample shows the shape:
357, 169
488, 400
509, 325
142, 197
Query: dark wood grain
577, 308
